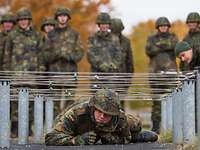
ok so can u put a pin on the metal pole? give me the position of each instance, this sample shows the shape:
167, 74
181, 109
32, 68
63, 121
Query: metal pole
49, 114
4, 114
198, 107
164, 116
177, 117
23, 115
189, 112
169, 113
38, 119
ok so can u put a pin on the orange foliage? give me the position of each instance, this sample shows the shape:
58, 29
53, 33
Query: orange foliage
84, 13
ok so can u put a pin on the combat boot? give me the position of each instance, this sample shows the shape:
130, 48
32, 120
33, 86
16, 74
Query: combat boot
146, 136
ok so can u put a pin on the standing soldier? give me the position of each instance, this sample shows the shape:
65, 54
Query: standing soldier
48, 27
7, 22
22, 44
127, 66
21, 51
104, 52
160, 50
67, 48
193, 35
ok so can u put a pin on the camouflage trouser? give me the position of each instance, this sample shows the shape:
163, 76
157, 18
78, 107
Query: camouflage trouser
156, 107
14, 118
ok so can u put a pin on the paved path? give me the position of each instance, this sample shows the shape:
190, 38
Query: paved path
138, 146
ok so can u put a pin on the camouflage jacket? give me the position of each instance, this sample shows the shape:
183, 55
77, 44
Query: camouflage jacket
104, 54
21, 50
80, 119
3, 37
160, 49
62, 50
128, 65
193, 38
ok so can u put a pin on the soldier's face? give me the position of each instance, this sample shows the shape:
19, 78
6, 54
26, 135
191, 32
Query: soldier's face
62, 19
193, 26
104, 27
48, 28
24, 23
186, 56
163, 28
101, 117
8, 26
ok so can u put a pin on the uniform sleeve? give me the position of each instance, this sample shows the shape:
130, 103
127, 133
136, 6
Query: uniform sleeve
63, 131
129, 59
2, 51
8, 53
151, 48
170, 43
77, 54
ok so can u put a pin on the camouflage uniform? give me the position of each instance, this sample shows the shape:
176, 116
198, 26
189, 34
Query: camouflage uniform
192, 37
79, 119
22, 46
63, 50
21, 53
67, 49
160, 50
8, 17
104, 52
127, 66
46, 45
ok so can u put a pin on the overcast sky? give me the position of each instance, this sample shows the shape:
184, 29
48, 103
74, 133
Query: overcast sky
134, 11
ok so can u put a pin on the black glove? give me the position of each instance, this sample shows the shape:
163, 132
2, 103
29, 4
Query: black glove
87, 138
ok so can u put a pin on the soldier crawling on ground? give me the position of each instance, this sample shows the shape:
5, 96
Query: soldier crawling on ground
98, 120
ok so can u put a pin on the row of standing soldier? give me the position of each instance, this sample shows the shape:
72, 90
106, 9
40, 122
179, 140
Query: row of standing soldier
23, 49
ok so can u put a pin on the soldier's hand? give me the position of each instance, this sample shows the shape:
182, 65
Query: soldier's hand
104, 67
87, 138
113, 67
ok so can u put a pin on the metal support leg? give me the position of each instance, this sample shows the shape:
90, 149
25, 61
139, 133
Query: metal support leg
23, 115
177, 117
38, 119
48, 114
189, 112
4, 114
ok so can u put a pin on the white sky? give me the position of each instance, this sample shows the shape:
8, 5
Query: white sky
133, 11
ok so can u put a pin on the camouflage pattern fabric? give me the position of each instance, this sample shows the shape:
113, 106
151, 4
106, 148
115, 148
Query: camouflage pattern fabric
21, 50
3, 37
79, 119
104, 55
160, 49
62, 50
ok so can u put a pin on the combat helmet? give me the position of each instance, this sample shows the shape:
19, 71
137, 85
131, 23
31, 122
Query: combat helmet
8, 17
116, 25
193, 17
162, 21
24, 13
47, 21
62, 11
106, 101
103, 18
